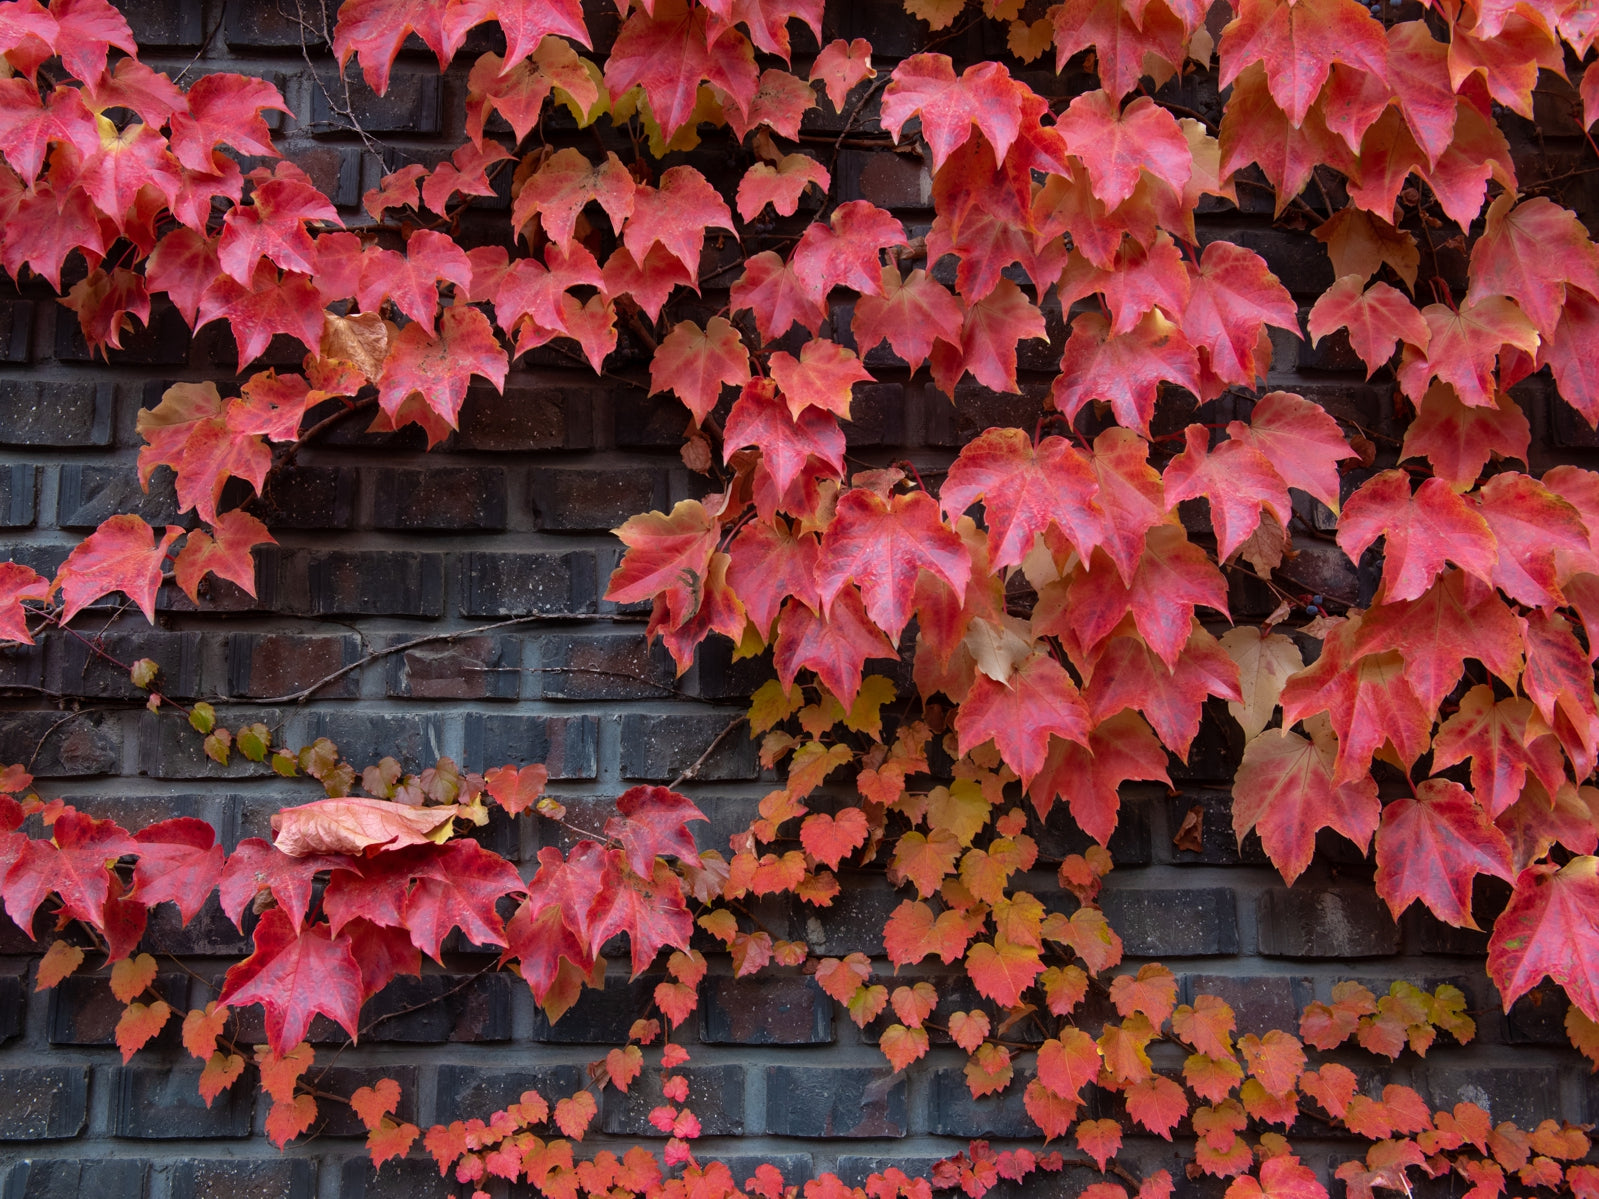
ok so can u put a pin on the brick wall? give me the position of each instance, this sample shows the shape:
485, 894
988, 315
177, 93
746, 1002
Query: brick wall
495, 546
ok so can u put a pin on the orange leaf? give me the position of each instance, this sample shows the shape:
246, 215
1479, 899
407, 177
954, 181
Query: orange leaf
572, 1115
221, 1071
139, 1023
59, 961
372, 1103
1099, 1139
389, 1140
289, 1118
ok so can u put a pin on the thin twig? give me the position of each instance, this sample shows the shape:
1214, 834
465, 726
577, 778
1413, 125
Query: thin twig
705, 757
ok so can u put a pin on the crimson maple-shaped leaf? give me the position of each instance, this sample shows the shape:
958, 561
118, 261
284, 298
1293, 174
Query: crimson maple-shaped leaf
1532, 526
87, 29
19, 583
1138, 279
1286, 792
1421, 532
1432, 847
1173, 577
1130, 496
1025, 490
412, 278
193, 432
835, 644
1559, 680
911, 313
372, 890
121, 555
540, 940
654, 820
376, 29
787, 443
780, 185
649, 909
697, 363
1122, 38
296, 974
439, 368
985, 95
179, 861
224, 109
1300, 440
272, 225
989, 332
1239, 481
270, 305
1019, 716
225, 552
256, 866
669, 50
1368, 698
821, 377
1530, 252
1458, 441
1125, 370
78, 872
667, 555
774, 293
847, 251
1116, 144
1378, 318
1496, 736
1566, 352
1462, 347
1549, 929
881, 545
769, 564
1296, 44
1233, 298
840, 66
675, 215
457, 885
1128, 674
1119, 749
1454, 619
1254, 129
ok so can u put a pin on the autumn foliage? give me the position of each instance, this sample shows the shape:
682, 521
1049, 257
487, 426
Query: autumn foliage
1061, 593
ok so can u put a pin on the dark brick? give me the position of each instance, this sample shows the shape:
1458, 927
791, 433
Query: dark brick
1307, 921
720, 677
83, 1011
1260, 1001
170, 749
525, 419
852, 923
649, 422
887, 180
1434, 936
764, 1011
1539, 1018
1219, 845
715, 1094
267, 664
71, 1179
977, 408
277, 26
373, 583
835, 1101
1570, 429
79, 667
13, 1006
440, 1007
877, 416
17, 488
43, 1103
439, 498
62, 744
662, 747
471, 668
364, 738
1297, 259
463, 1092
163, 342
22, 666
1523, 1094
600, 1016
1198, 922
241, 1178
594, 501
172, 26
500, 584
309, 497
91, 494
411, 105
16, 330
1213, 757
160, 1103
952, 1112
415, 1178
595, 666
566, 744
336, 170
209, 934
55, 414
